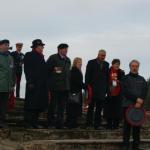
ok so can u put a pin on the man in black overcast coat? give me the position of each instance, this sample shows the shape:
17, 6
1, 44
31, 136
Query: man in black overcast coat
36, 98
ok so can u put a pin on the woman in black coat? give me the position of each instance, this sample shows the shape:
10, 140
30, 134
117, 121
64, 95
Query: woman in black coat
36, 98
74, 110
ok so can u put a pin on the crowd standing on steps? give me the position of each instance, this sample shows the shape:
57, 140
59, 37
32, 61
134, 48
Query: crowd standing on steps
57, 86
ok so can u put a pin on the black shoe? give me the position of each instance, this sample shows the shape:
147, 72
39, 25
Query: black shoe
115, 128
125, 148
37, 127
4, 126
71, 127
88, 127
27, 126
137, 148
97, 128
59, 126
108, 127
50, 127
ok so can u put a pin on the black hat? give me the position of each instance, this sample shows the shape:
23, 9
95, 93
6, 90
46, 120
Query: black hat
5, 41
63, 45
135, 116
37, 42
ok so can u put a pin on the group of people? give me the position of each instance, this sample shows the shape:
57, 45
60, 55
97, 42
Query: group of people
57, 86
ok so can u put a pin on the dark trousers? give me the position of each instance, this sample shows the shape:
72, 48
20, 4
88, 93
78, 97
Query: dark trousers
31, 117
94, 116
73, 112
127, 131
113, 111
57, 108
18, 80
3, 106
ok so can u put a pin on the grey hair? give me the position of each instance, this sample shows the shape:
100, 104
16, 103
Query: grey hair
134, 61
102, 51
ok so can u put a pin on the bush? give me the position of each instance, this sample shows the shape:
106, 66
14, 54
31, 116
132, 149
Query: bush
147, 101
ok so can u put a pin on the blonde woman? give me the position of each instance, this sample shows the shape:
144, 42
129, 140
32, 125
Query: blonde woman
76, 83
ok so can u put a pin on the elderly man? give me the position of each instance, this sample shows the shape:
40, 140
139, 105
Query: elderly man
59, 85
18, 62
96, 78
7, 80
134, 92
36, 98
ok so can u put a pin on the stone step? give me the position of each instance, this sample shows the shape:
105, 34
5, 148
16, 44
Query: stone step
108, 144
21, 134
18, 121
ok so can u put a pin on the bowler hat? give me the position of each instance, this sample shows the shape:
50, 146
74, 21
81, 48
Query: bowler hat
135, 116
5, 41
62, 45
37, 42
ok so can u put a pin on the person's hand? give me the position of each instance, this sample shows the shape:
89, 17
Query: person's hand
12, 89
138, 105
139, 100
31, 86
114, 76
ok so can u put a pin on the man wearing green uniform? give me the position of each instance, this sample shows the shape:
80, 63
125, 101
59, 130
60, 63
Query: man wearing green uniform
7, 80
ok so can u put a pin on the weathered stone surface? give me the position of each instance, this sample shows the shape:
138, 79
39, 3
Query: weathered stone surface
9, 145
78, 145
18, 138
21, 139
22, 135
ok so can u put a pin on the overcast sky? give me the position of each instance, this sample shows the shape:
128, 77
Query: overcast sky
121, 27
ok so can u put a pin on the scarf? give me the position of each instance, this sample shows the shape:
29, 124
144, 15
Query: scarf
114, 90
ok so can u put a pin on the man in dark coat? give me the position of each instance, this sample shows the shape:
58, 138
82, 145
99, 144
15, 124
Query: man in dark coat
18, 62
96, 77
36, 99
58, 74
134, 93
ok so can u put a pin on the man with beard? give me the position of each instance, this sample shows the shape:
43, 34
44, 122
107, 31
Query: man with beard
134, 93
